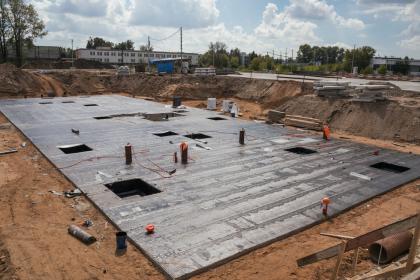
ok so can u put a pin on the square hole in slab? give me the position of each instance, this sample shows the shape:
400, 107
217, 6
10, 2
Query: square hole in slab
165, 134
390, 167
46, 102
90, 105
132, 187
73, 149
103, 118
161, 116
217, 119
301, 151
197, 136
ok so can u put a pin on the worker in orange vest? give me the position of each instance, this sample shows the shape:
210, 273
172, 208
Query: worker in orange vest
326, 132
324, 204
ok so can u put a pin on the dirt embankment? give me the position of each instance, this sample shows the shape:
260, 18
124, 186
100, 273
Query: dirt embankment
396, 119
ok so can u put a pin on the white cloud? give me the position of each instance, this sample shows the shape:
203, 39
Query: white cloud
412, 43
92, 8
174, 13
281, 26
319, 10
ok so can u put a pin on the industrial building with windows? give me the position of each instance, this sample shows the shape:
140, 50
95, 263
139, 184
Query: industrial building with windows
108, 55
390, 62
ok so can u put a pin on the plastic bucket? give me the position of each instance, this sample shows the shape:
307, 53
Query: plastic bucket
121, 238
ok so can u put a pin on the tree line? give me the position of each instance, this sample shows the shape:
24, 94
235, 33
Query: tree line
128, 45
19, 26
308, 58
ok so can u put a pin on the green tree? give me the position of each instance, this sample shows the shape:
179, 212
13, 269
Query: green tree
305, 54
368, 70
256, 63
382, 69
234, 61
362, 57
4, 29
402, 66
126, 46
97, 42
25, 26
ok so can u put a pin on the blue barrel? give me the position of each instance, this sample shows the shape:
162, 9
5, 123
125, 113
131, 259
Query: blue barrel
121, 238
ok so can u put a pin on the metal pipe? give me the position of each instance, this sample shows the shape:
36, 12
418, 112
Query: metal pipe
385, 250
242, 136
81, 235
128, 154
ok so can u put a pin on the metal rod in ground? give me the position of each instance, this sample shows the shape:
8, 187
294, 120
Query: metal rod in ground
242, 136
128, 154
339, 259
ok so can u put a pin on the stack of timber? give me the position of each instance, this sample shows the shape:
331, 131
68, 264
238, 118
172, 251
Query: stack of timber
332, 89
303, 122
370, 93
210, 71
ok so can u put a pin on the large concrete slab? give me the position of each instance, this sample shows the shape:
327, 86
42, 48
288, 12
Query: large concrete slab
228, 200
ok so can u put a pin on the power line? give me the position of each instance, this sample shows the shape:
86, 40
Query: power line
166, 38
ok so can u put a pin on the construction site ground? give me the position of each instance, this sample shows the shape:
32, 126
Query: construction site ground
34, 243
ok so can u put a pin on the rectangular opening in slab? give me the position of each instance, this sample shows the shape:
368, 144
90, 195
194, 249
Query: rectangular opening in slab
161, 116
46, 102
390, 167
197, 136
90, 105
72, 149
165, 134
103, 118
217, 119
301, 151
67, 102
132, 187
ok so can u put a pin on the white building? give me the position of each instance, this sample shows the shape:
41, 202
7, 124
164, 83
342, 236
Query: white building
108, 55
390, 62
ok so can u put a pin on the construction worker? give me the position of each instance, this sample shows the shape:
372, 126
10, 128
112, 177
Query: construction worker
326, 132
324, 205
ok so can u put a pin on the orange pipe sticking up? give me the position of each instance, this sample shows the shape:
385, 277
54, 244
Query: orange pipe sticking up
184, 152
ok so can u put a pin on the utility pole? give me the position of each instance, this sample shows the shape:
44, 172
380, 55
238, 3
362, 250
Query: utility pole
287, 61
273, 54
181, 49
292, 55
148, 53
72, 54
352, 60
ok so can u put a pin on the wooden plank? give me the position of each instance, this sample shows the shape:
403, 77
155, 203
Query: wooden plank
321, 255
413, 247
354, 261
339, 259
361, 241
340, 236
381, 233
8, 152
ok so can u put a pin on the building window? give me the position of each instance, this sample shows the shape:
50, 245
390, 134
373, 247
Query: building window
106, 53
125, 54
152, 55
113, 54
119, 60
133, 60
100, 59
139, 55
133, 54
190, 57
146, 55
106, 59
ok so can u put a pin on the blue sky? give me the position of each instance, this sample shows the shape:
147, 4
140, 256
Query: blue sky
392, 27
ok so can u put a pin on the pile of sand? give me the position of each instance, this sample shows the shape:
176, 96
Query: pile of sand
15, 82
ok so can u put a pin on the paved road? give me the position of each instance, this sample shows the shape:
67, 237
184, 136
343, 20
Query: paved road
404, 85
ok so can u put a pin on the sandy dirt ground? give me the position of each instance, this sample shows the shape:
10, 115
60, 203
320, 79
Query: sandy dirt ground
34, 243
